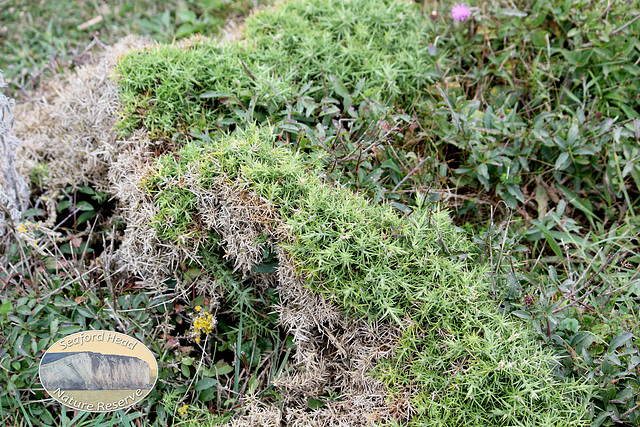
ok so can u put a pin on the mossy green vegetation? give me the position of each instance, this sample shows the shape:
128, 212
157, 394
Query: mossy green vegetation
460, 361
527, 113
310, 54
375, 262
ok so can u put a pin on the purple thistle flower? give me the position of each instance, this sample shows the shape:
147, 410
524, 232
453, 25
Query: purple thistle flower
460, 12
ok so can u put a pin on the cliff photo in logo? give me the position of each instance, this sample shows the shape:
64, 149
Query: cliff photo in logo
98, 371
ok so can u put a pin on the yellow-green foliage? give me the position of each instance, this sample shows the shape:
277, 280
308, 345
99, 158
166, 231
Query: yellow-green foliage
297, 61
461, 361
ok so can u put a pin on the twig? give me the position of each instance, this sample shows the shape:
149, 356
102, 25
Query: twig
57, 290
614, 32
410, 173
115, 315
630, 411
246, 68
610, 130
93, 21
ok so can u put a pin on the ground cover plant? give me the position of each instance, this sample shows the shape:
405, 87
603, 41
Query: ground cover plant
562, 158
521, 118
378, 264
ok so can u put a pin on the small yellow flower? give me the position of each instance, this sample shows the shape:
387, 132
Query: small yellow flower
203, 323
182, 411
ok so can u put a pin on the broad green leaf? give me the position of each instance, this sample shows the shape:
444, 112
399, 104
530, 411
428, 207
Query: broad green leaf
223, 368
563, 161
522, 314
569, 324
315, 403
6, 308
572, 136
391, 164
619, 340
214, 94
205, 383
582, 340
584, 206
207, 394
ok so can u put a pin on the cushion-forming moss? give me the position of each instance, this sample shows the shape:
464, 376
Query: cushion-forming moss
382, 44
461, 362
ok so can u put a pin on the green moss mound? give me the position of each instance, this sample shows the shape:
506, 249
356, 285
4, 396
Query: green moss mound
295, 63
460, 362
